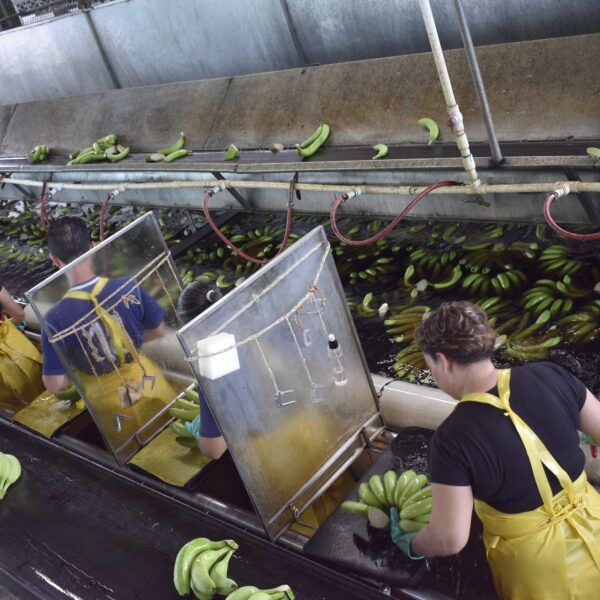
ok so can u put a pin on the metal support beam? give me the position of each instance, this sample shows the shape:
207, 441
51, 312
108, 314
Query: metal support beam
590, 204
111, 72
236, 195
465, 34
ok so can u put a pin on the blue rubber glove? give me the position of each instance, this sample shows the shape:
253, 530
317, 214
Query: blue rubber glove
194, 427
402, 539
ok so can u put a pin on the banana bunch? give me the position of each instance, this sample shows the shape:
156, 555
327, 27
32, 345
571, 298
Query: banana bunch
453, 234
185, 409
496, 307
170, 153
505, 283
104, 148
582, 327
38, 154
409, 493
402, 324
427, 270
556, 296
201, 568
408, 362
555, 260
525, 342
309, 146
10, 471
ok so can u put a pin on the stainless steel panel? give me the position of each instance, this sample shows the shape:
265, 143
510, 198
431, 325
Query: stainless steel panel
50, 59
163, 41
291, 414
101, 361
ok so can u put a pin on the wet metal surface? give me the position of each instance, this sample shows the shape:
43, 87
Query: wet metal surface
70, 530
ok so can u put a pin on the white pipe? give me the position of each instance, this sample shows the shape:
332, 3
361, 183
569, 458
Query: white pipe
394, 190
455, 118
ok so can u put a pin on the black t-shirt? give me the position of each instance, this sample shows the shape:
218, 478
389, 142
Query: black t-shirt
478, 445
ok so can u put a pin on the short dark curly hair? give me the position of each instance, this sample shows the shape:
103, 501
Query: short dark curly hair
68, 238
460, 330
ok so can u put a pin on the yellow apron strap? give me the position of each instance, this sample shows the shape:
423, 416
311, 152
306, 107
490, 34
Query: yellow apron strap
538, 454
105, 317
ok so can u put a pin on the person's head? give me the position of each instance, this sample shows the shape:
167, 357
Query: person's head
196, 298
454, 337
68, 238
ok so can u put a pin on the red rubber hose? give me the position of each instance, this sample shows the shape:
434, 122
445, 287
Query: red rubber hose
102, 214
563, 232
238, 251
43, 204
340, 199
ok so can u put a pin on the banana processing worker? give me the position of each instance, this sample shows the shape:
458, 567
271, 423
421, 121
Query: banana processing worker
194, 299
9, 307
104, 351
512, 446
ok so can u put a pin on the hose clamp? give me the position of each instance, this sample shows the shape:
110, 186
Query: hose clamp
562, 190
357, 191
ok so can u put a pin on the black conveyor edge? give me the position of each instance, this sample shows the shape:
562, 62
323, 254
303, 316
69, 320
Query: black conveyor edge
71, 530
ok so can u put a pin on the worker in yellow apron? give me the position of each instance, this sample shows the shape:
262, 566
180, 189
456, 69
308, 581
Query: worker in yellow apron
96, 330
552, 551
135, 388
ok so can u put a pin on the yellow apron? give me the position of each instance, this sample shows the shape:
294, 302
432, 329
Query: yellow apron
20, 368
102, 390
552, 552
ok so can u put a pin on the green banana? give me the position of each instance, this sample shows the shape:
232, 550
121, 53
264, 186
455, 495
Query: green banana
390, 479
382, 150
414, 485
232, 152
417, 496
200, 570
376, 485
218, 574
107, 140
118, 156
187, 555
175, 155
180, 430
432, 126
411, 526
192, 396
183, 414
368, 497
315, 141
71, 394
178, 145
10, 472
155, 157
185, 404
403, 480
246, 592
358, 509
593, 151
416, 509
452, 280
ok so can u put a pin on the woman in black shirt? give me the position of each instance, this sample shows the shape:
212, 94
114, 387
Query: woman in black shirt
512, 447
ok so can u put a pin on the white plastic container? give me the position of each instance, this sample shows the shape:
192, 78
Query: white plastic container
222, 356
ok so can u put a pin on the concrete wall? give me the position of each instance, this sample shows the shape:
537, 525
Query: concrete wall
534, 91
146, 42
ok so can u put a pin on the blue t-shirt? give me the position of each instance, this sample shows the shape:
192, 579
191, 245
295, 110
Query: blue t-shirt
139, 311
208, 426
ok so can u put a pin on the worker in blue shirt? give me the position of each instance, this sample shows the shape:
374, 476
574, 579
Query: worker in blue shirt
194, 299
99, 326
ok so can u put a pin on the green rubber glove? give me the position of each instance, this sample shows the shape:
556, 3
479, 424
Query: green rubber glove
193, 427
584, 437
402, 539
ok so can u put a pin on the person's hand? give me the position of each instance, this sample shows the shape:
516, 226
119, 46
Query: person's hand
401, 538
194, 427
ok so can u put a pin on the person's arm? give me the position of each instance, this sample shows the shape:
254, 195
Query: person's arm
448, 530
10, 307
157, 332
55, 383
213, 447
590, 416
